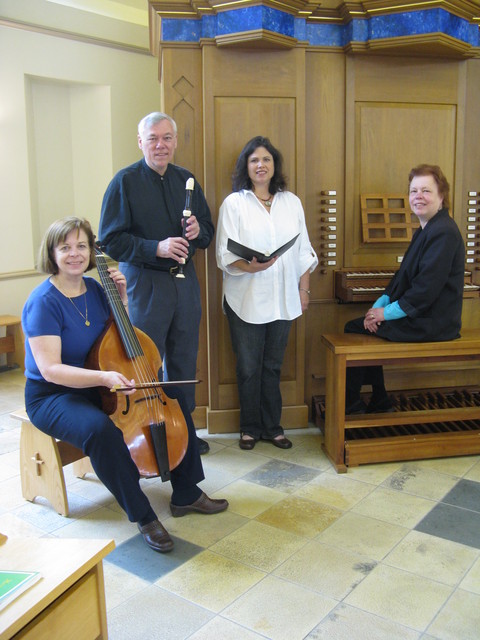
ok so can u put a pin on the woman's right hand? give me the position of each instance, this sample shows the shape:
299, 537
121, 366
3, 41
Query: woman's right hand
114, 379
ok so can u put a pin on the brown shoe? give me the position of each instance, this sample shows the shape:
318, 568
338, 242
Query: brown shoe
203, 505
156, 536
246, 442
281, 443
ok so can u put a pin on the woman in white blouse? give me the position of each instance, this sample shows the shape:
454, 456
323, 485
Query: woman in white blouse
261, 299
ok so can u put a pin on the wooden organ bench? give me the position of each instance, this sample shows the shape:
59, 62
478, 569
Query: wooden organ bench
42, 459
445, 425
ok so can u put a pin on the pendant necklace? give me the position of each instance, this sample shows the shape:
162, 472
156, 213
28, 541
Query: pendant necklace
267, 202
85, 317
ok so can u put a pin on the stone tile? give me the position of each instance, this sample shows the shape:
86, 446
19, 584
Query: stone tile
399, 596
120, 585
395, 507
426, 483
328, 570
302, 517
471, 581
260, 609
250, 499
452, 523
233, 460
135, 556
432, 557
102, 523
259, 546
155, 613
204, 530
361, 534
219, 627
459, 467
211, 580
474, 472
465, 494
339, 491
346, 622
371, 473
459, 618
281, 475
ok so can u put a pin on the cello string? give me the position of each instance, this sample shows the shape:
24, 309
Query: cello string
142, 368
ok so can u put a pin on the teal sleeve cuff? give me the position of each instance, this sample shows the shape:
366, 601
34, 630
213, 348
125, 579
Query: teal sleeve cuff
381, 302
393, 311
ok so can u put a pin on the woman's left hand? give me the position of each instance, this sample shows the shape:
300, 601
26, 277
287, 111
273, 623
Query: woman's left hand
304, 299
373, 319
120, 282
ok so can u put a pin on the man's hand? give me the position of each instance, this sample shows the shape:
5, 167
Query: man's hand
193, 228
175, 248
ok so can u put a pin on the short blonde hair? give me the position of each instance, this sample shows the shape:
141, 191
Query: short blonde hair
57, 233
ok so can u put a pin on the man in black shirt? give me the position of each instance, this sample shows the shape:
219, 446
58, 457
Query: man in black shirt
141, 227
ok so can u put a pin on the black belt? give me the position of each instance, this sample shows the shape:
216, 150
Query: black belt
171, 270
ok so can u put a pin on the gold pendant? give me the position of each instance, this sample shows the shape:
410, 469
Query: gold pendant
87, 322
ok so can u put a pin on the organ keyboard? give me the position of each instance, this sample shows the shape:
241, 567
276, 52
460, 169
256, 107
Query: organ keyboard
366, 285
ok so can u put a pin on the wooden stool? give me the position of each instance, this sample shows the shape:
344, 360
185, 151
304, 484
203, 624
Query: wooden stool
42, 459
13, 342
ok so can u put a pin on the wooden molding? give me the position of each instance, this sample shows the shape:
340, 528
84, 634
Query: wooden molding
428, 44
328, 10
258, 38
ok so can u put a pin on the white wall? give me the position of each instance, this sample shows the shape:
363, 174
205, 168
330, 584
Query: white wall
69, 107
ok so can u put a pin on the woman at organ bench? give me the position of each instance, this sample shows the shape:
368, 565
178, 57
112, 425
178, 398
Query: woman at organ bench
423, 301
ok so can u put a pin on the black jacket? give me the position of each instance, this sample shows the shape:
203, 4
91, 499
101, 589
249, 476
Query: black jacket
140, 208
429, 285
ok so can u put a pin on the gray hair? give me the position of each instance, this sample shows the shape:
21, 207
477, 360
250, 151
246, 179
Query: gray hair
154, 118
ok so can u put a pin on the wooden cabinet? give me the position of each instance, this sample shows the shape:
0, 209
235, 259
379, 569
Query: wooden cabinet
68, 603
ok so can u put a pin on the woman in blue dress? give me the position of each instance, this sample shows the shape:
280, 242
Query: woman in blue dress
62, 319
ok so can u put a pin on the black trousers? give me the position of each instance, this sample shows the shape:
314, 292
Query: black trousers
359, 376
76, 416
168, 309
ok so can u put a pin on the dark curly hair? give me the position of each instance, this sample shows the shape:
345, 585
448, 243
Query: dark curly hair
437, 174
240, 177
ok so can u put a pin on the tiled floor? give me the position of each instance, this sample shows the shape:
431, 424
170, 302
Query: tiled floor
384, 552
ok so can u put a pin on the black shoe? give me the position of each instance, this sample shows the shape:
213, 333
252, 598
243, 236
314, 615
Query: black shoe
203, 446
380, 406
355, 408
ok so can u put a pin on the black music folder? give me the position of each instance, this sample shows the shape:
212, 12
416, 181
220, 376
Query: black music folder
248, 254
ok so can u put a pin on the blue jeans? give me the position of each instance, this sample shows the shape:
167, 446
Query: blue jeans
259, 349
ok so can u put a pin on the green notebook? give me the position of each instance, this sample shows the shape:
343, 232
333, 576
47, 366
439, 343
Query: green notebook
13, 583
